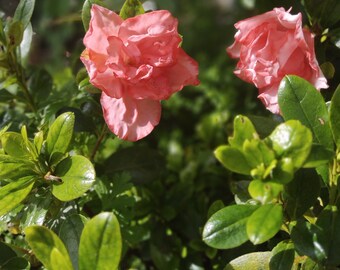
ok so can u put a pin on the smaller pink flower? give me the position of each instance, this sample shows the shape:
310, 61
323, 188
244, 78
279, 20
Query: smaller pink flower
136, 63
270, 46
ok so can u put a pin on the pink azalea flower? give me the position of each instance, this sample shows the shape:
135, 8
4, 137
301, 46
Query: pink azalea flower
270, 46
136, 63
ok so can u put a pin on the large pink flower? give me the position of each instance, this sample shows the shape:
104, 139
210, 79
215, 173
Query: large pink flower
136, 63
271, 46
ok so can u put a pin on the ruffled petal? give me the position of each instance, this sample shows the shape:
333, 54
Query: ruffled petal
103, 23
130, 119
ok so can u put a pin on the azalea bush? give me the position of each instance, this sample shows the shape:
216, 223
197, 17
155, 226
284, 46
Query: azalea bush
169, 134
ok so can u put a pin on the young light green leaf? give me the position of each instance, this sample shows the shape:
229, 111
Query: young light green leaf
227, 227
15, 34
14, 145
77, 174
59, 137
299, 100
264, 191
255, 260
292, 140
131, 8
233, 159
14, 193
12, 168
70, 232
264, 223
48, 248
335, 116
282, 256
24, 12
100, 243
243, 130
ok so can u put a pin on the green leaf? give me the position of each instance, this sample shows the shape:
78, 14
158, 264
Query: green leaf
305, 237
264, 191
14, 145
40, 85
25, 44
292, 140
48, 248
131, 8
70, 232
14, 193
12, 168
227, 227
35, 211
15, 34
325, 12
243, 130
257, 153
282, 256
6, 254
77, 175
264, 223
16, 263
86, 11
301, 193
255, 260
100, 243
298, 99
24, 12
233, 159
329, 222
263, 125
59, 137
335, 116
319, 155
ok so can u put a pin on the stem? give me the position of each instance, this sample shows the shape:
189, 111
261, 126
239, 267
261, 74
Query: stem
333, 181
99, 140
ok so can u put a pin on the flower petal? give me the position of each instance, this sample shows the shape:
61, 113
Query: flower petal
130, 119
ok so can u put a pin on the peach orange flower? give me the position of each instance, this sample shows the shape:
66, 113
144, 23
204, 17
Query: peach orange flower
136, 63
270, 46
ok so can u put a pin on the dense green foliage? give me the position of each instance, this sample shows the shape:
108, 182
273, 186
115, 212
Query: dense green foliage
220, 183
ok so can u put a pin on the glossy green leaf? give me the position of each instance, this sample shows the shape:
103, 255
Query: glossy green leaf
283, 256
292, 140
13, 168
263, 125
319, 155
131, 8
335, 116
48, 248
14, 193
38, 141
227, 227
35, 211
243, 130
299, 100
264, 191
86, 11
301, 193
100, 243
233, 159
6, 254
264, 223
16, 263
24, 12
70, 232
15, 34
40, 85
255, 260
258, 155
59, 137
329, 222
77, 174
14, 145
284, 170
305, 237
